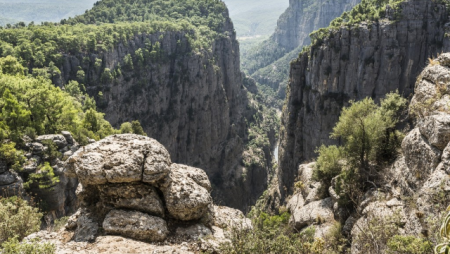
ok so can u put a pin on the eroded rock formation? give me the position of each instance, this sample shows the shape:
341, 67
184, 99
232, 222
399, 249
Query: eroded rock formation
129, 187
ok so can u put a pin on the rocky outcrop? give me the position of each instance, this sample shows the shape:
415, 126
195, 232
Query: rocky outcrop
411, 195
130, 187
268, 63
368, 59
58, 199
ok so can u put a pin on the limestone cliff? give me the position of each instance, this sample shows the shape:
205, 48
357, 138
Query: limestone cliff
367, 59
410, 196
268, 63
190, 99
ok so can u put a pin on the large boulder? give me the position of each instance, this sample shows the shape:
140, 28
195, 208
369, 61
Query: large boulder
311, 189
135, 225
318, 212
186, 192
420, 157
436, 129
122, 158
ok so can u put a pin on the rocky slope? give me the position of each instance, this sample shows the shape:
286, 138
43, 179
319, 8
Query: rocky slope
412, 193
368, 59
268, 63
129, 187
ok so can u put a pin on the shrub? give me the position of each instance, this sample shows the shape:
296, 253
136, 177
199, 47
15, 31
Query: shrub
18, 219
33, 247
409, 245
271, 234
13, 158
45, 178
328, 163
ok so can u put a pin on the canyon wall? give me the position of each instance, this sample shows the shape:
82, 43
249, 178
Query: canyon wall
190, 99
368, 59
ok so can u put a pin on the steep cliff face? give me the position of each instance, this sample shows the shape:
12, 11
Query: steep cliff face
191, 100
366, 60
303, 17
268, 63
412, 192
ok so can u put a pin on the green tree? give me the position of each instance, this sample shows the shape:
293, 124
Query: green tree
18, 219
137, 128
90, 121
74, 89
369, 138
126, 127
14, 114
10, 65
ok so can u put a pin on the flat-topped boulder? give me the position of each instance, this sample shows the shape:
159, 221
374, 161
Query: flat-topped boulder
121, 158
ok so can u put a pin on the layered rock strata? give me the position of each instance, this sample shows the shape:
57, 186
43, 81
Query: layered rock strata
369, 59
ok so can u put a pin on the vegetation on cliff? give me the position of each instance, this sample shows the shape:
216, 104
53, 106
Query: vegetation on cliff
370, 139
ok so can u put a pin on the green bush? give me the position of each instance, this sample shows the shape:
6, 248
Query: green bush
45, 178
14, 158
33, 247
328, 164
409, 245
272, 234
18, 219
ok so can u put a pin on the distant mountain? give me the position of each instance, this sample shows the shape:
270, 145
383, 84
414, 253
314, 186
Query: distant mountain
41, 10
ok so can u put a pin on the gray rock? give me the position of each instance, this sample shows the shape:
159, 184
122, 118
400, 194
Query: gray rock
193, 232
185, 198
87, 227
119, 159
59, 140
68, 136
3, 167
311, 190
36, 148
135, 225
319, 212
421, 158
229, 218
436, 129
139, 197
32, 164
445, 160
8, 178
13, 189
295, 203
